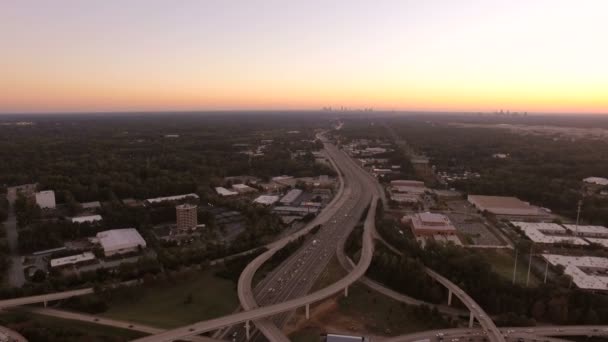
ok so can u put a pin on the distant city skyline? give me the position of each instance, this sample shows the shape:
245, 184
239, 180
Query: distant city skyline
467, 56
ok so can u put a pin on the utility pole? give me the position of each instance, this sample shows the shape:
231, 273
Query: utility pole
529, 266
578, 215
515, 265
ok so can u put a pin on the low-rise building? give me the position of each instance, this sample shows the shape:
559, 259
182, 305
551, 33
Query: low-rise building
120, 241
266, 199
596, 181
510, 208
243, 188
588, 231
46, 199
299, 211
548, 233
291, 196
588, 273
430, 224
91, 205
86, 219
225, 192
73, 260
172, 198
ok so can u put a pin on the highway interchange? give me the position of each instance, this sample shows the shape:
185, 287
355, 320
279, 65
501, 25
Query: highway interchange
286, 288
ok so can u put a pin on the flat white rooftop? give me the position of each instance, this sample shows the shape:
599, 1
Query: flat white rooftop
225, 192
587, 272
266, 199
548, 233
89, 218
587, 230
117, 239
72, 259
596, 180
499, 205
171, 198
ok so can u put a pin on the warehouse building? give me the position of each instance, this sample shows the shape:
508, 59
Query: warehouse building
588, 231
509, 208
588, 273
243, 188
172, 198
86, 257
46, 199
291, 196
86, 219
225, 192
297, 211
120, 241
548, 233
266, 199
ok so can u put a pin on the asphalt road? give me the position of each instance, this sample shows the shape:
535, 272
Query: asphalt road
296, 276
537, 333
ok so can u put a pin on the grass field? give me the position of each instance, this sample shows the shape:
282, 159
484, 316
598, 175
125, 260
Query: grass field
364, 312
199, 297
381, 314
90, 331
502, 261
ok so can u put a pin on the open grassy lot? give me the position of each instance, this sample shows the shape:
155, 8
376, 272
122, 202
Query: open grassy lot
364, 312
39, 326
502, 261
198, 296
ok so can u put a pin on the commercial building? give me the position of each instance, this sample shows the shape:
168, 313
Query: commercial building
430, 224
266, 199
120, 241
225, 192
548, 233
172, 198
343, 338
243, 188
508, 207
588, 231
596, 181
86, 219
90, 205
299, 211
186, 215
407, 182
291, 196
46, 199
73, 260
588, 273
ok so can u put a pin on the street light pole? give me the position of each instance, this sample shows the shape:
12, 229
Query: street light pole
529, 266
515, 265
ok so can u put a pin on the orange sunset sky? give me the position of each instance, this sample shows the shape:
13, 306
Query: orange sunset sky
460, 55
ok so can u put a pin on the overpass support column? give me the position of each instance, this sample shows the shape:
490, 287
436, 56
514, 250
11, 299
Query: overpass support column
346, 291
471, 319
307, 311
247, 330
449, 297
45, 303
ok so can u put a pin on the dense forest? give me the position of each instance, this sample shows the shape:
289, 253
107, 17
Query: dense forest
91, 158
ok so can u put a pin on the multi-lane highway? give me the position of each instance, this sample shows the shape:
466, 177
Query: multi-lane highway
327, 238
296, 276
510, 333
